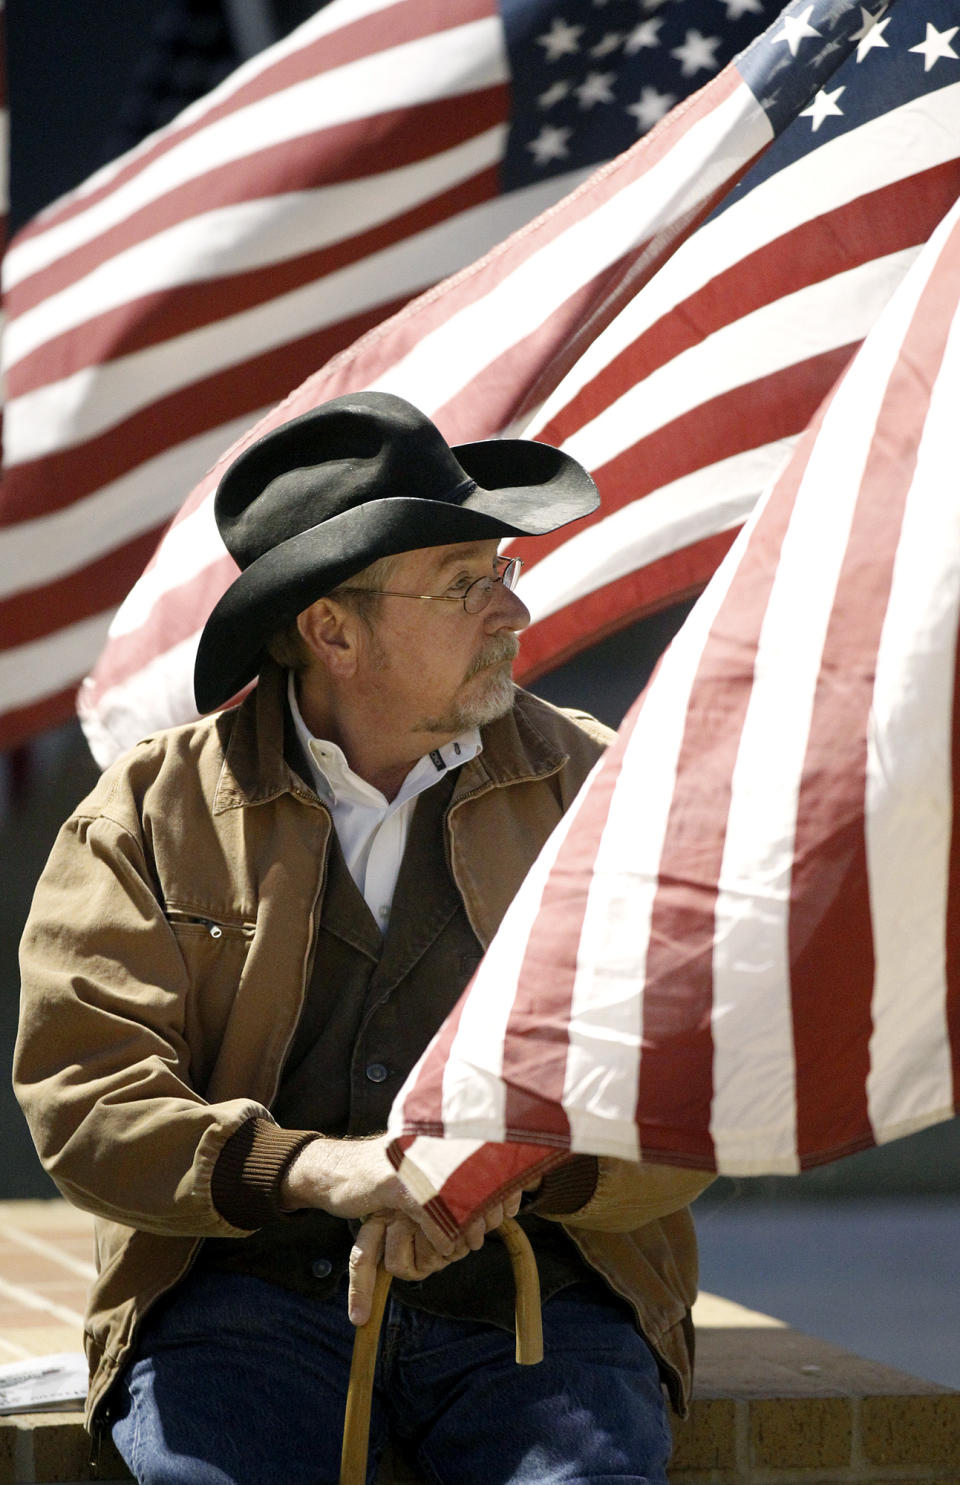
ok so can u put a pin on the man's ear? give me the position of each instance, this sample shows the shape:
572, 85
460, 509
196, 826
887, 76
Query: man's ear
329, 630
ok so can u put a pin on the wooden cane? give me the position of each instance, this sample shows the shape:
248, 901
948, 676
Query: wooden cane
529, 1325
356, 1419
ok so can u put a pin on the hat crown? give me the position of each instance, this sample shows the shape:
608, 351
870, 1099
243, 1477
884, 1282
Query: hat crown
332, 459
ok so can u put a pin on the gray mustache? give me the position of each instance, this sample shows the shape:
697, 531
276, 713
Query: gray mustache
506, 647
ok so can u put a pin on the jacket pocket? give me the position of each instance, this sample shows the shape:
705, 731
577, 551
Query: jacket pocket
214, 952
186, 923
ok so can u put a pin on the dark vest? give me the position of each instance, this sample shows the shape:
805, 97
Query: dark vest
371, 1007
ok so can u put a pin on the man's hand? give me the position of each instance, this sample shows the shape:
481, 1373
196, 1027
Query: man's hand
354, 1178
351, 1178
407, 1252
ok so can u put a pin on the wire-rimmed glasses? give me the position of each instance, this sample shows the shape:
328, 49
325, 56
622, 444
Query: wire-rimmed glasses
475, 598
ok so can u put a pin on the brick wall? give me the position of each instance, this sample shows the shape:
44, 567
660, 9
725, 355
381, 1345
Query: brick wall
772, 1407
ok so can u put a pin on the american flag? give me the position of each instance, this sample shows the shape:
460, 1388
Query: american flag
740, 950
678, 362
175, 297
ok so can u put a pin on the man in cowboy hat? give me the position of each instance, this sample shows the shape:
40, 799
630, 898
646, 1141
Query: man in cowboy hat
245, 937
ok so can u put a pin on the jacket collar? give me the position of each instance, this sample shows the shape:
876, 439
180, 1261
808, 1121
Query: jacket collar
514, 749
255, 767
255, 747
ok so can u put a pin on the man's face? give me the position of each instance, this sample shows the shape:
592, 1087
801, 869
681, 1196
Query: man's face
438, 669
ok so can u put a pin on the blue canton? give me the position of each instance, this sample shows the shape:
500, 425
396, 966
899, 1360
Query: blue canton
589, 77
837, 67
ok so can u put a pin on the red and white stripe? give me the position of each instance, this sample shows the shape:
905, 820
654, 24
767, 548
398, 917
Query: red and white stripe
739, 951
577, 330
690, 402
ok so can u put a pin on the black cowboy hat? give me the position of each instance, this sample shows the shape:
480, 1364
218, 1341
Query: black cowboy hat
364, 476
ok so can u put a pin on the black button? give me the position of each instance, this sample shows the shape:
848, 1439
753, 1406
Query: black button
321, 1268
377, 1073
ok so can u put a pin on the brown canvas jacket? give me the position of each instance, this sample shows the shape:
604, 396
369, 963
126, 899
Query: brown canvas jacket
164, 965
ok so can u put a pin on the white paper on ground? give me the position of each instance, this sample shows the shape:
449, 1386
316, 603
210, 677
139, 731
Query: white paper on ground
43, 1383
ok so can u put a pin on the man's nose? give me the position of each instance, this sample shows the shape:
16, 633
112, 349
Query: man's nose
505, 611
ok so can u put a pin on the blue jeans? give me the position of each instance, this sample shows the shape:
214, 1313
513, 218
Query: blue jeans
239, 1382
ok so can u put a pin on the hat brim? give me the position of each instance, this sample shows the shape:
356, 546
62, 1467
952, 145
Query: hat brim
269, 593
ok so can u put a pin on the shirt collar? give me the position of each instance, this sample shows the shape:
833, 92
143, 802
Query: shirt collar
335, 781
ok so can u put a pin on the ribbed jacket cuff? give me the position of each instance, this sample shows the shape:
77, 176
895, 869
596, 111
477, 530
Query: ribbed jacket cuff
245, 1185
567, 1188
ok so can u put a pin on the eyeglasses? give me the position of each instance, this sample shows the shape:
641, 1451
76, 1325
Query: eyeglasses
474, 599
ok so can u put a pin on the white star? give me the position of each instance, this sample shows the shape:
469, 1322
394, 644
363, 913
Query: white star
822, 107
696, 53
737, 8
597, 87
873, 37
651, 108
643, 35
561, 40
555, 94
795, 28
936, 45
607, 44
550, 144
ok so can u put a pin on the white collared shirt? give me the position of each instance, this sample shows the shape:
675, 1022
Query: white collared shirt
372, 830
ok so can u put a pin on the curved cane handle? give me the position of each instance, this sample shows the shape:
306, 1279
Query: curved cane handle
526, 1283
529, 1323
